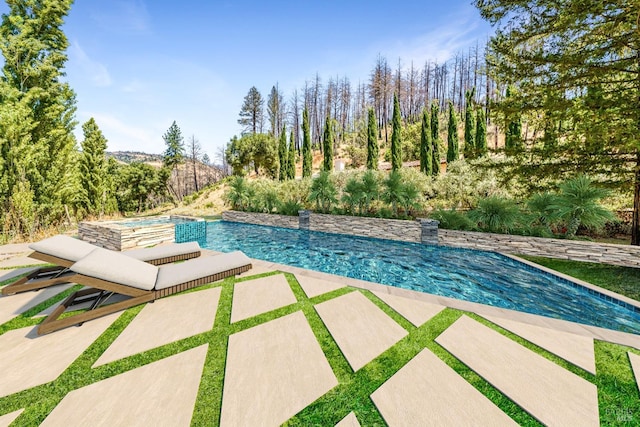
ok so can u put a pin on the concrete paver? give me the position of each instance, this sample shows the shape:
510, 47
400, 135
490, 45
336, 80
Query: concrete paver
28, 360
18, 260
349, 421
634, 359
314, 287
160, 393
255, 270
13, 305
166, 320
10, 273
427, 392
273, 371
359, 327
551, 394
7, 419
259, 296
416, 312
573, 348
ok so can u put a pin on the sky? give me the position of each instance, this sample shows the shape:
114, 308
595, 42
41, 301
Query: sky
136, 65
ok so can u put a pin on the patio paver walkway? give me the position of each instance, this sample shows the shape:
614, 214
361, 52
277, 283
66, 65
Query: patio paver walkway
359, 327
427, 392
574, 348
416, 312
7, 419
13, 305
273, 371
550, 393
634, 359
314, 287
349, 421
165, 321
259, 296
160, 393
28, 360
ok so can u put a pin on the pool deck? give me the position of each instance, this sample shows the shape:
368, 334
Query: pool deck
275, 361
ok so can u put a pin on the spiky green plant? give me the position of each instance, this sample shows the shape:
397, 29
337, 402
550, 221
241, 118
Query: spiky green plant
496, 214
370, 189
393, 189
323, 192
452, 219
237, 195
352, 195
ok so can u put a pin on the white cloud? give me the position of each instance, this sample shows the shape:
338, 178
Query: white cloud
96, 72
122, 135
124, 16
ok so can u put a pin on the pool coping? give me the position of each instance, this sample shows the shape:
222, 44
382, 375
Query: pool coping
595, 332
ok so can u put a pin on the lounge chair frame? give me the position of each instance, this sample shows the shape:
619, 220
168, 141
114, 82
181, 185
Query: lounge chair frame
60, 273
138, 296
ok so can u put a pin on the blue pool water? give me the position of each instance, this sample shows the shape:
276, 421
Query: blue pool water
469, 275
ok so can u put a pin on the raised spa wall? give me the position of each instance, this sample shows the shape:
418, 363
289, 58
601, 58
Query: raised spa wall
115, 236
426, 231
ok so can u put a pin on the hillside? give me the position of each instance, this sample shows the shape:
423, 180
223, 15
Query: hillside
134, 156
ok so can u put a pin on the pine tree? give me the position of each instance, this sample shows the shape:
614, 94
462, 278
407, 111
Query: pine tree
481, 134
252, 112
426, 146
327, 143
275, 111
469, 131
452, 136
435, 139
307, 160
174, 154
36, 113
396, 144
372, 141
291, 162
513, 134
283, 156
93, 169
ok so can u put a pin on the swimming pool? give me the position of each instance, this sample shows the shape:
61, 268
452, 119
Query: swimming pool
470, 275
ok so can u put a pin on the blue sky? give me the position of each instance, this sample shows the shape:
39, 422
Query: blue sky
136, 65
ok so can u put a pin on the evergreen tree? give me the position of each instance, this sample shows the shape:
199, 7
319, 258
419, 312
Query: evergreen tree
426, 146
291, 162
513, 134
469, 131
283, 156
481, 134
252, 112
275, 111
93, 169
435, 139
36, 114
327, 143
307, 160
174, 154
372, 141
452, 136
396, 144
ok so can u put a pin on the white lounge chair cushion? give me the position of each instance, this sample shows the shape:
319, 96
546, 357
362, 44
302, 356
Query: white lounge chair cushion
117, 268
64, 247
163, 251
175, 274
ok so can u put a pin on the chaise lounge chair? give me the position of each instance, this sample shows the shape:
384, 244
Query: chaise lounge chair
108, 273
63, 251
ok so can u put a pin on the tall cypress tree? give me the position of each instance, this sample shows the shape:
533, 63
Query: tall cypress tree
282, 155
435, 139
327, 143
469, 138
481, 134
372, 141
426, 146
291, 160
452, 136
307, 160
37, 109
396, 144
93, 169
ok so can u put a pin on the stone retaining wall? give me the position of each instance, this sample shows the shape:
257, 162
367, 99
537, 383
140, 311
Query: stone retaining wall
272, 220
392, 229
623, 255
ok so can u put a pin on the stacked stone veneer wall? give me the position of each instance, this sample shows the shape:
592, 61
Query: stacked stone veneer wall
422, 230
623, 255
262, 219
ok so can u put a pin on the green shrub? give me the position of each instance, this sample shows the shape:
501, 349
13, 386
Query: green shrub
496, 214
290, 207
323, 192
451, 219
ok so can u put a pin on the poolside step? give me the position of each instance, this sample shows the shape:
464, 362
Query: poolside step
548, 392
